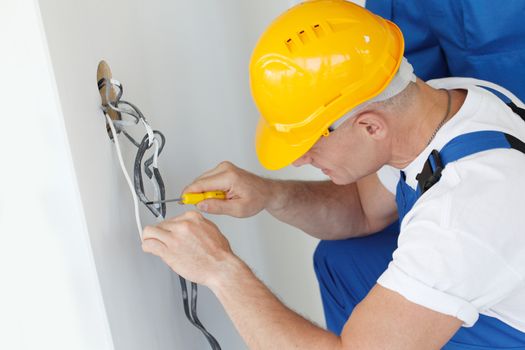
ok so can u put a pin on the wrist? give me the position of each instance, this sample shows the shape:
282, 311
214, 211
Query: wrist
275, 200
231, 269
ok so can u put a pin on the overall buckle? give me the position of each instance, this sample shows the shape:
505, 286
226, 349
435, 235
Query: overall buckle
431, 172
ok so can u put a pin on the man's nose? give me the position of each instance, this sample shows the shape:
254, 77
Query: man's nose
303, 160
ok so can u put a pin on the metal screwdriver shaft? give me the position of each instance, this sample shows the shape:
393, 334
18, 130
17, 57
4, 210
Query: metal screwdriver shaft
166, 201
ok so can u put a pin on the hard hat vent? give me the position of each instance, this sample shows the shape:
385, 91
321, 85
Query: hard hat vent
318, 30
290, 45
305, 36
334, 25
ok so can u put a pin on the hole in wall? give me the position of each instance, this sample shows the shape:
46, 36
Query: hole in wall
103, 77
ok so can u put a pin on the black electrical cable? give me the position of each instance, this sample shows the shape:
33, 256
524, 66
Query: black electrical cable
190, 310
137, 175
209, 336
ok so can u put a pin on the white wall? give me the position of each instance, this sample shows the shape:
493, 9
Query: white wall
49, 292
185, 63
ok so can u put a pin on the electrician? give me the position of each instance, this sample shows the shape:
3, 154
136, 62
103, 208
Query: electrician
422, 220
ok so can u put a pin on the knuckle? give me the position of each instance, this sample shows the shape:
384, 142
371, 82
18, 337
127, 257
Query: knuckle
192, 214
226, 165
234, 176
172, 242
184, 226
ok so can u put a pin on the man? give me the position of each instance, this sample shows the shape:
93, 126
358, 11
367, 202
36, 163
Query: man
334, 91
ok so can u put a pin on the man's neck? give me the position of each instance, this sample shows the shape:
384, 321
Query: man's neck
421, 120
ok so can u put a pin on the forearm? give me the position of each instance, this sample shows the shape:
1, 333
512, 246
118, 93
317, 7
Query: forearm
261, 319
320, 208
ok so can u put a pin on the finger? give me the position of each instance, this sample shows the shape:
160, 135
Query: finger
217, 182
190, 215
217, 206
171, 225
155, 247
214, 171
155, 232
167, 225
221, 168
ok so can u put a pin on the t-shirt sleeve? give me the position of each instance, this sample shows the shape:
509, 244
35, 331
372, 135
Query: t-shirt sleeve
446, 271
461, 248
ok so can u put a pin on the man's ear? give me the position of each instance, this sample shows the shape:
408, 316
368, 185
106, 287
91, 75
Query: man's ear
374, 125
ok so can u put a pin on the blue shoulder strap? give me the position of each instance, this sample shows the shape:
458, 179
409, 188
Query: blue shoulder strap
462, 146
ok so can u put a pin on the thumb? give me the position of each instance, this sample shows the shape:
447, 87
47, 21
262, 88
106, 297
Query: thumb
154, 247
216, 206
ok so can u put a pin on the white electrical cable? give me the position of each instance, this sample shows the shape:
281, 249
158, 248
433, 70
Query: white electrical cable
156, 153
149, 131
126, 175
152, 139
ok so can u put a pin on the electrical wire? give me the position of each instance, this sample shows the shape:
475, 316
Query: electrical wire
128, 180
151, 139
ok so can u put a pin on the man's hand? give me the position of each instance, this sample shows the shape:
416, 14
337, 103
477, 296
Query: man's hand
191, 245
194, 248
247, 194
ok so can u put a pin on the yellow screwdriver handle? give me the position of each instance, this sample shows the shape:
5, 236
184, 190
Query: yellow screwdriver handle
194, 198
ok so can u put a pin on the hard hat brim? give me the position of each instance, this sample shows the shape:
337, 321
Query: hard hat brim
273, 151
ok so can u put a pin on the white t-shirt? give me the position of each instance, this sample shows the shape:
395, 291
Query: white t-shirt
461, 249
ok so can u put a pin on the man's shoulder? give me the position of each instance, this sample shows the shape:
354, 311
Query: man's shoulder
480, 195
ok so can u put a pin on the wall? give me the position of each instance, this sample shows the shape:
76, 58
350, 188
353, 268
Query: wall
50, 296
185, 64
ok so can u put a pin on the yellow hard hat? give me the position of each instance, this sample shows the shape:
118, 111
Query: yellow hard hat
313, 64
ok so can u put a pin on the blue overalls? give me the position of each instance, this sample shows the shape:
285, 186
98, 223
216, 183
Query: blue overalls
462, 38
348, 269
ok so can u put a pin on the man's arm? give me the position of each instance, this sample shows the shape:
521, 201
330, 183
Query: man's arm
320, 208
329, 211
194, 248
383, 320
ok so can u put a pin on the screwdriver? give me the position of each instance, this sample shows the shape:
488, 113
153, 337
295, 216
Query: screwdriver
194, 198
